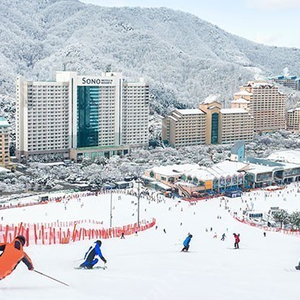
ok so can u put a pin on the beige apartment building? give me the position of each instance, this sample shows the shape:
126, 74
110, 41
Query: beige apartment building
240, 103
184, 127
235, 124
211, 108
210, 124
4, 142
42, 118
267, 105
293, 117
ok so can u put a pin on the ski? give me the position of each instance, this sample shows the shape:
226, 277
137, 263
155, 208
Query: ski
97, 267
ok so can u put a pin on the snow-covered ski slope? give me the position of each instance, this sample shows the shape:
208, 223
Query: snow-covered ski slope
150, 266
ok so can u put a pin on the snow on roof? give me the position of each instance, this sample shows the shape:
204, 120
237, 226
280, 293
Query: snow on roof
195, 111
160, 184
257, 169
122, 182
3, 122
287, 156
233, 111
164, 171
185, 167
294, 109
200, 174
172, 170
224, 168
171, 117
212, 107
183, 183
240, 100
269, 165
243, 93
258, 84
227, 167
147, 178
211, 99
175, 115
58, 163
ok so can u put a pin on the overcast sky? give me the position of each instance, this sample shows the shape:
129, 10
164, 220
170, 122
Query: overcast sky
271, 22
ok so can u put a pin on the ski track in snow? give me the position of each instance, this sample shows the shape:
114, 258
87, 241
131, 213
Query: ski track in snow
150, 266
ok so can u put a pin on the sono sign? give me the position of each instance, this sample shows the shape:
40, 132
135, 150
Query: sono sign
94, 81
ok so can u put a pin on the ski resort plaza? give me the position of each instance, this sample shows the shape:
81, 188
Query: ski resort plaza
229, 177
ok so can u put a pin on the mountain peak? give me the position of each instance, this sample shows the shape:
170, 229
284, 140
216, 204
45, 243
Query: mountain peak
184, 58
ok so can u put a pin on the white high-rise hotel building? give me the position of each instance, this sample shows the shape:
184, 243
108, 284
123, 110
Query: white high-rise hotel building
81, 116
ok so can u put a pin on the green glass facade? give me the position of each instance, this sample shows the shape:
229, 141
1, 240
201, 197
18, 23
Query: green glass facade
87, 116
214, 128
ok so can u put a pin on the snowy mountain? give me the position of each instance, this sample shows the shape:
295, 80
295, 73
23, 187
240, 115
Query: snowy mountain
184, 58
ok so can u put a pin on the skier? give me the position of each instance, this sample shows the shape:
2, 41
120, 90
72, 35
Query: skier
223, 237
298, 266
12, 254
236, 240
89, 256
186, 243
122, 235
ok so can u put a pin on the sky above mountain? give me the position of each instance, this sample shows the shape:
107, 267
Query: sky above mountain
271, 22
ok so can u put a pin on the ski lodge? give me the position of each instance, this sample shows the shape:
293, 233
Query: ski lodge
227, 177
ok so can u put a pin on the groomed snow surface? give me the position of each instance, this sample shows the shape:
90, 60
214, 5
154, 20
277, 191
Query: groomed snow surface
150, 266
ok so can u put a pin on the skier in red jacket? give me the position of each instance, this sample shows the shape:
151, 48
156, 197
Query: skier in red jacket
236, 240
12, 254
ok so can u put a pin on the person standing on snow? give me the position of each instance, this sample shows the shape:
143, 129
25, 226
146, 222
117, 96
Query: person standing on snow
186, 243
236, 240
89, 256
12, 254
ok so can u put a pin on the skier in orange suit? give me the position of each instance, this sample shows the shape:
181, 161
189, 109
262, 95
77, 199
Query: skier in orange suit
12, 254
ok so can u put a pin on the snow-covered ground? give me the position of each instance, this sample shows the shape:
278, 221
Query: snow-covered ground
150, 266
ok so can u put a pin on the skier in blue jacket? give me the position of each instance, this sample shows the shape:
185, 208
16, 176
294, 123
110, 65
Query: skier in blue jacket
186, 243
89, 257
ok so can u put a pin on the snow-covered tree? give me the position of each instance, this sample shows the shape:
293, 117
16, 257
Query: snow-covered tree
281, 216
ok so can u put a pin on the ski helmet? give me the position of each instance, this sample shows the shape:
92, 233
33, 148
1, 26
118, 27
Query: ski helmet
99, 242
22, 239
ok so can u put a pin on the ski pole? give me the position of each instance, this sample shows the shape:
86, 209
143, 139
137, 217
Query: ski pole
50, 277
